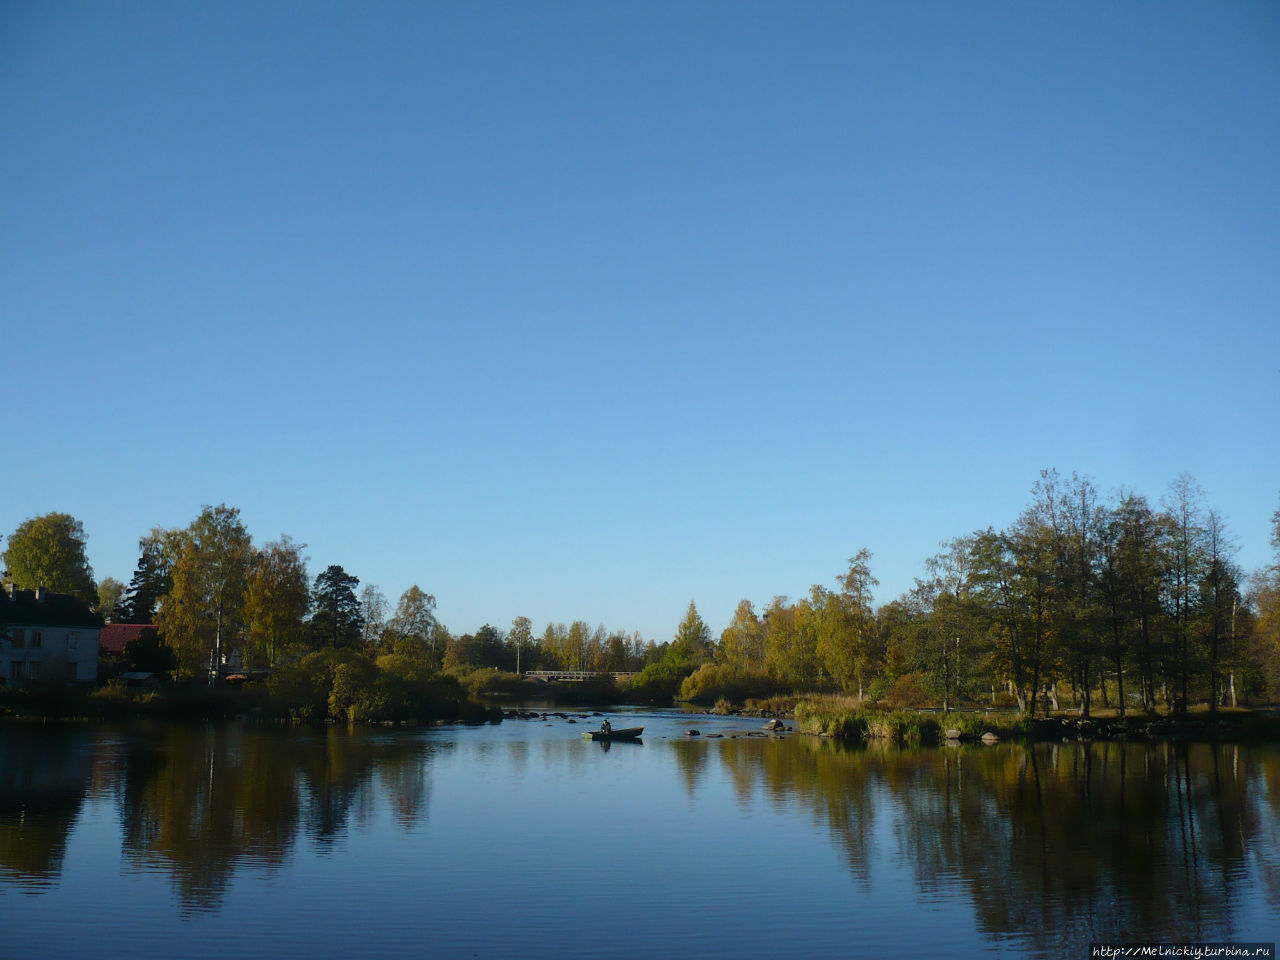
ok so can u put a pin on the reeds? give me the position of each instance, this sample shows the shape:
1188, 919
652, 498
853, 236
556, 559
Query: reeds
845, 718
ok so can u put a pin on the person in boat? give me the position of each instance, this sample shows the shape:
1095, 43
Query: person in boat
606, 727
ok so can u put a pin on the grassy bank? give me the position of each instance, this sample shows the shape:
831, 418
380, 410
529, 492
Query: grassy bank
200, 703
847, 719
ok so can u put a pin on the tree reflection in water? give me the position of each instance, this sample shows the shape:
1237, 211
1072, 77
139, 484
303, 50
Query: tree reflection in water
201, 803
44, 778
1061, 844
1049, 846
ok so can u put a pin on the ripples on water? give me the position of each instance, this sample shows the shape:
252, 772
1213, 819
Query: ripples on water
522, 840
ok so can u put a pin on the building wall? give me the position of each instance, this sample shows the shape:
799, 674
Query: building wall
64, 653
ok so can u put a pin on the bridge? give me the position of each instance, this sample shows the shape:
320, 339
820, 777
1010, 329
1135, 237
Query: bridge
574, 676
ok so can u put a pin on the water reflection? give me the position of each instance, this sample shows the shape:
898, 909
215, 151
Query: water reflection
1062, 844
44, 778
199, 804
1048, 847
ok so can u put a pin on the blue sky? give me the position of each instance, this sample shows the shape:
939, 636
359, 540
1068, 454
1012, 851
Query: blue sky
583, 310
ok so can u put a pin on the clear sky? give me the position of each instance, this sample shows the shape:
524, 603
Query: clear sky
585, 310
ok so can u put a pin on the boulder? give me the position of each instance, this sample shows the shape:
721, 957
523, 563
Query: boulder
954, 734
990, 737
693, 733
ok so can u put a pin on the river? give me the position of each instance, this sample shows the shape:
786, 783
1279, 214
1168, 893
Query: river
522, 840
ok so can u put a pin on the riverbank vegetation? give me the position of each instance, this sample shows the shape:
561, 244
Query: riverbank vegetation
1084, 602
321, 687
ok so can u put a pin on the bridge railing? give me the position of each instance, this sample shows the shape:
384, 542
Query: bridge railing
574, 675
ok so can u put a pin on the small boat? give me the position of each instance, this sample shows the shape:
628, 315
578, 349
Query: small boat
630, 733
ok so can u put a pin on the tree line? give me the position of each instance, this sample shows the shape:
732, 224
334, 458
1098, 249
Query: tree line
1108, 601
1114, 602
210, 591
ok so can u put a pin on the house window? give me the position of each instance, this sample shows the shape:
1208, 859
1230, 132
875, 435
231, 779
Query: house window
33, 670
35, 639
15, 670
19, 639
72, 641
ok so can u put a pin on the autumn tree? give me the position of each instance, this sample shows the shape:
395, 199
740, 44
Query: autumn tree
276, 601
1264, 635
413, 628
1219, 594
110, 599
574, 648
789, 651
692, 644
479, 650
1184, 513
954, 628
49, 551
742, 641
846, 635
373, 614
205, 608
617, 655
552, 645
520, 638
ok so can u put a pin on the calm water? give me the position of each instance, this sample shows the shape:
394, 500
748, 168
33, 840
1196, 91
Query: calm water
522, 840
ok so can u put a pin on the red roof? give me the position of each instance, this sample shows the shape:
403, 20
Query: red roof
115, 635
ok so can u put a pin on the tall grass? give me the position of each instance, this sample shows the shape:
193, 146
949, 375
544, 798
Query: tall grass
847, 719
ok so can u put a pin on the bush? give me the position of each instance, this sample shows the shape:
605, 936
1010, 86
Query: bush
720, 681
772, 706
656, 683
357, 693
344, 685
301, 690
907, 691
493, 682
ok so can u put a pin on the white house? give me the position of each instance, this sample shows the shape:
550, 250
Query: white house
46, 637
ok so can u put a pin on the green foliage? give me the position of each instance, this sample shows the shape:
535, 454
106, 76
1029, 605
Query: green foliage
204, 610
356, 693
830, 719
148, 654
908, 690
49, 551
656, 683
341, 684
845, 719
490, 681
742, 642
790, 645
301, 690
715, 681
336, 619
110, 599
692, 644
773, 706
153, 576
414, 624
482, 649
276, 601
